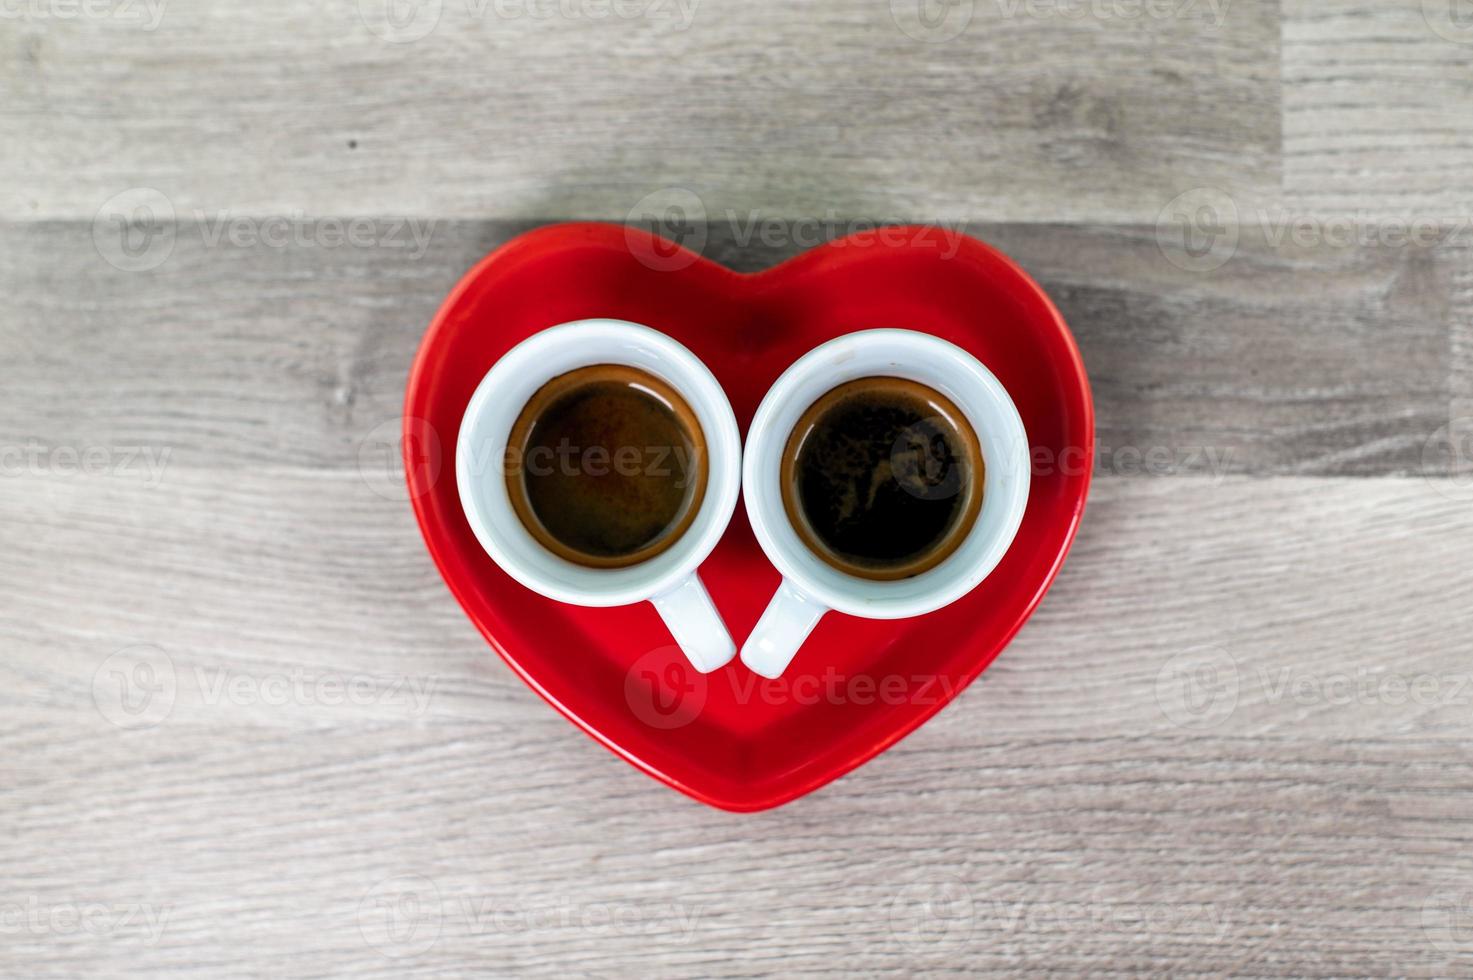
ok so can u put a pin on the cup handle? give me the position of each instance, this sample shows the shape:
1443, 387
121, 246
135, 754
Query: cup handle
696, 625
790, 617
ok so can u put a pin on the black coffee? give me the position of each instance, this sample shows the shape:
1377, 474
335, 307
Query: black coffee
882, 478
606, 466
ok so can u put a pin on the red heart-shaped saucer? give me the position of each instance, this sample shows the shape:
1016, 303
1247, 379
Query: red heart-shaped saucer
732, 739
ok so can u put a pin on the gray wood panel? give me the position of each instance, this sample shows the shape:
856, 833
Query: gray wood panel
265, 572
794, 108
961, 853
1377, 98
1285, 359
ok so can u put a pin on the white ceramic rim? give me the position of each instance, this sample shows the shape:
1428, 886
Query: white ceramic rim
487, 424
918, 357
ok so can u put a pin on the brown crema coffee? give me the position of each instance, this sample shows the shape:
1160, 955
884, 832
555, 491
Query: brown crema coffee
882, 478
606, 466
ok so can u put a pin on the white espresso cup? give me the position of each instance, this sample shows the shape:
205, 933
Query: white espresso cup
811, 586
668, 579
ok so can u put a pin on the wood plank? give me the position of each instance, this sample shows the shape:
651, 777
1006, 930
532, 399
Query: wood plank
1285, 359
264, 578
272, 853
798, 109
1377, 98
1461, 318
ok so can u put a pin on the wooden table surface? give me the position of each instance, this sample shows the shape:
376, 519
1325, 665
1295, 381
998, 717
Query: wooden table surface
1235, 739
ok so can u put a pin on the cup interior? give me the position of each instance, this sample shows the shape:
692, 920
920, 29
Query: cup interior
930, 361
499, 400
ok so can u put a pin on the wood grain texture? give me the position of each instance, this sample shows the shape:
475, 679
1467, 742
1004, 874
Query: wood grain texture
1070, 810
1460, 306
1377, 98
216, 570
1232, 741
1286, 359
797, 109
